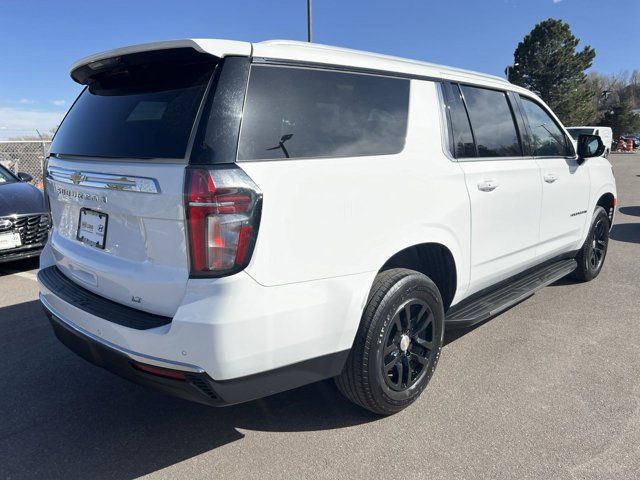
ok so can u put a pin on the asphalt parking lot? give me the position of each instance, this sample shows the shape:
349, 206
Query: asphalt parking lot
548, 389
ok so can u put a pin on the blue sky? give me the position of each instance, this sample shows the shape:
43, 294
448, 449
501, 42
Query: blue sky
41, 39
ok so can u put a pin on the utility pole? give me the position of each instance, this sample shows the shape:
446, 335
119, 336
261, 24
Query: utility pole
309, 21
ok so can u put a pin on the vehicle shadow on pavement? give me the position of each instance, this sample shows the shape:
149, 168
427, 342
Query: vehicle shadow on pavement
626, 232
633, 211
65, 418
19, 266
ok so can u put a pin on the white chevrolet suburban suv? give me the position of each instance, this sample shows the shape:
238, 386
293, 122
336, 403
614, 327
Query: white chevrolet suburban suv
231, 220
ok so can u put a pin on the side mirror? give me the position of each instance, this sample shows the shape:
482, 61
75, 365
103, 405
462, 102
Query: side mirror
589, 146
25, 177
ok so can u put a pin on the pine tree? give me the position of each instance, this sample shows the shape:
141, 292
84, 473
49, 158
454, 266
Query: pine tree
621, 119
546, 62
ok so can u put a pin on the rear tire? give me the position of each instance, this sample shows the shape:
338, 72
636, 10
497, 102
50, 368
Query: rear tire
591, 256
398, 343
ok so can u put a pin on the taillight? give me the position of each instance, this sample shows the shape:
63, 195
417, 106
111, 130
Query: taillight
222, 205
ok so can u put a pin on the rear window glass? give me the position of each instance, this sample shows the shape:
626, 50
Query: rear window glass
306, 113
492, 122
144, 110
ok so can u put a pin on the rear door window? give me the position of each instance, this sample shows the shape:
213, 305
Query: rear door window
492, 122
137, 109
548, 138
295, 112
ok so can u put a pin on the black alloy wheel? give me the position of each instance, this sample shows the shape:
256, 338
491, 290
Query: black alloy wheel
408, 347
398, 343
599, 244
592, 254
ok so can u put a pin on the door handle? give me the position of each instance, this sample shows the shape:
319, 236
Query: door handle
550, 178
487, 185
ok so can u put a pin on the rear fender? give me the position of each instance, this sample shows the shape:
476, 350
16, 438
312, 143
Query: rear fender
410, 236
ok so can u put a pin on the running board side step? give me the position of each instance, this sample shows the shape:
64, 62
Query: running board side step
488, 303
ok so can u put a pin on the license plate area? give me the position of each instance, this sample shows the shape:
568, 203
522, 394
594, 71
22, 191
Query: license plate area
9, 240
92, 227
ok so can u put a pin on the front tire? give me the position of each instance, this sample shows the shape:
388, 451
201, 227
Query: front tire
591, 256
398, 343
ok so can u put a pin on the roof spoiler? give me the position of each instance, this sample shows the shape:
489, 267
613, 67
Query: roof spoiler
82, 70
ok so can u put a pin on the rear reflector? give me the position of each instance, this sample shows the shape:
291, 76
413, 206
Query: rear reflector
159, 371
223, 216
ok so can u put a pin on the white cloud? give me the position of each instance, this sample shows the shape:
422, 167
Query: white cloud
59, 103
557, 1
25, 101
16, 122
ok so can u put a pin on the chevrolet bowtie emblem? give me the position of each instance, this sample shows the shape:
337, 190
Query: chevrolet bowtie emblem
77, 177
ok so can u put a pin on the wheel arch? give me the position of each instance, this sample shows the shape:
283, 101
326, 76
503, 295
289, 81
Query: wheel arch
435, 260
607, 201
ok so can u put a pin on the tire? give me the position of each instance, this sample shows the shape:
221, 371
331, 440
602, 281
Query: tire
591, 256
392, 359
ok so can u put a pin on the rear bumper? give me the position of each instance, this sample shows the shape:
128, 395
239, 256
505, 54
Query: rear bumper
72, 294
196, 384
248, 340
231, 327
194, 387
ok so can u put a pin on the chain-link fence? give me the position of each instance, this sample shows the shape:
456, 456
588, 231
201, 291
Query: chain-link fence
25, 156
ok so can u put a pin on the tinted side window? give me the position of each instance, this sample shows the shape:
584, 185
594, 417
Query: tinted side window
301, 113
548, 139
492, 122
463, 146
